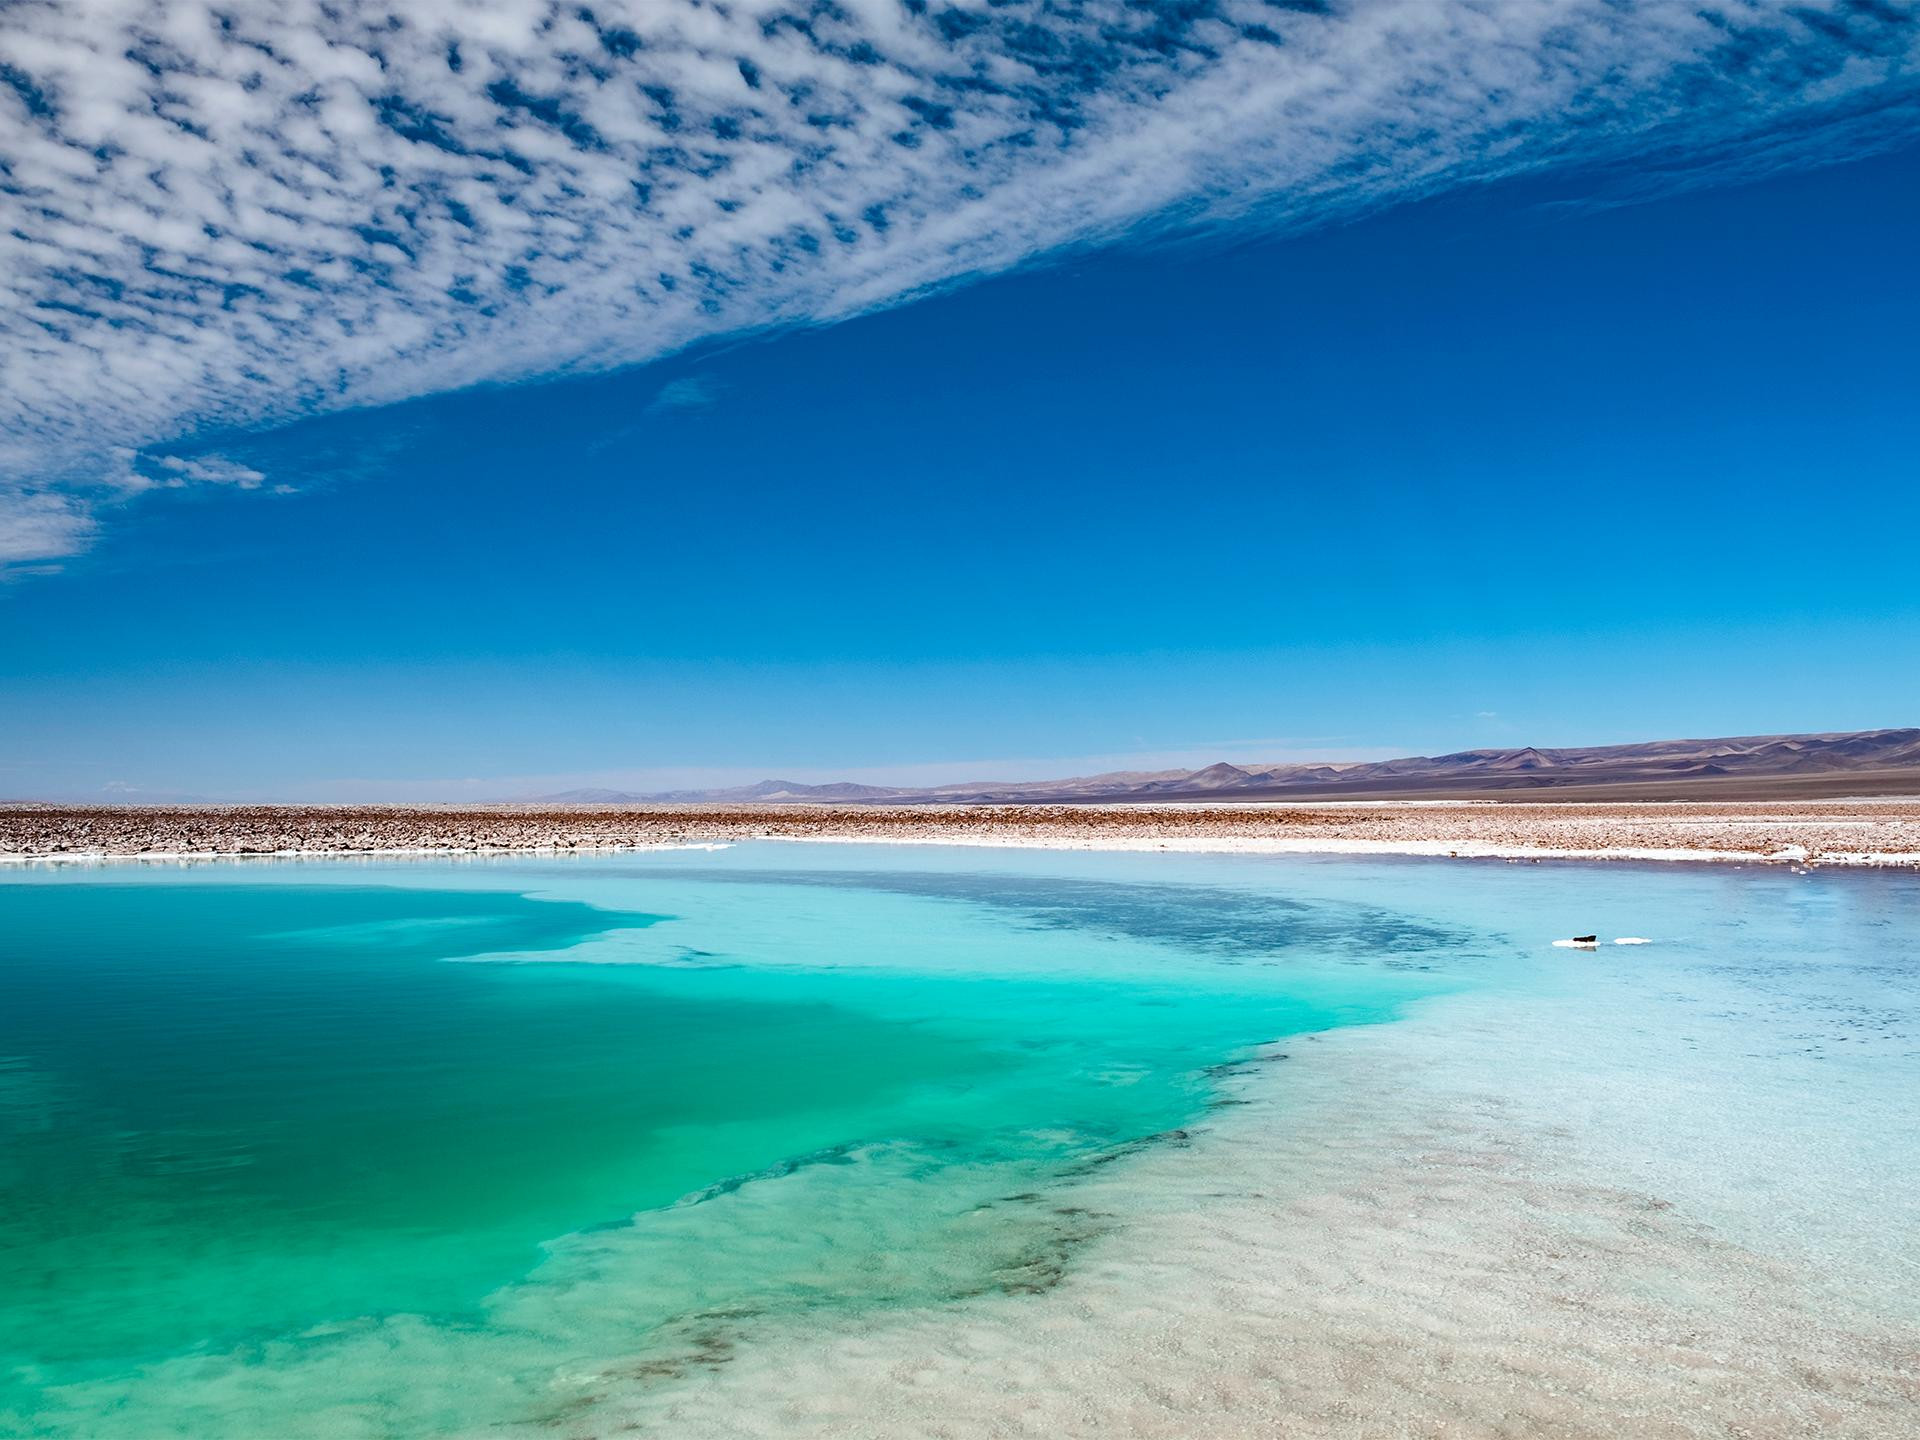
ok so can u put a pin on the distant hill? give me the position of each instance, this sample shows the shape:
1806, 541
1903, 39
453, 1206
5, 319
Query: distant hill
1750, 767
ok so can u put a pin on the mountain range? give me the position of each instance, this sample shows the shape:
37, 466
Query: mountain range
1750, 767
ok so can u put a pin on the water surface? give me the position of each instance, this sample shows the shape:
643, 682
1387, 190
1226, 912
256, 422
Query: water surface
425, 1147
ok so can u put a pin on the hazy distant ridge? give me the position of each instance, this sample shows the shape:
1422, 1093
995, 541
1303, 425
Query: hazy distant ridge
1881, 760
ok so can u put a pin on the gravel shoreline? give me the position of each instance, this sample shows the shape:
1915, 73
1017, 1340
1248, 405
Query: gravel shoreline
1856, 832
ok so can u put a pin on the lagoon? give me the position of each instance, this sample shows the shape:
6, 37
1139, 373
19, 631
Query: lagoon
437, 1148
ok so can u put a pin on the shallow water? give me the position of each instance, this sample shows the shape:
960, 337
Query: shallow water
430, 1147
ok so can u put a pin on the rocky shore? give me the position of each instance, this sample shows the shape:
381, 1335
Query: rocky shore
1876, 832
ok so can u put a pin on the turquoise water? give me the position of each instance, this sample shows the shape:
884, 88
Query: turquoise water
243, 1105
420, 1148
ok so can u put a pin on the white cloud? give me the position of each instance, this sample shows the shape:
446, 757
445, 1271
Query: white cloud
210, 470
129, 472
36, 525
222, 216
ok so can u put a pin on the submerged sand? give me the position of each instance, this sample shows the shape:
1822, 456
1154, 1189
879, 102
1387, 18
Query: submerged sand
1355, 1253
1614, 1208
1851, 832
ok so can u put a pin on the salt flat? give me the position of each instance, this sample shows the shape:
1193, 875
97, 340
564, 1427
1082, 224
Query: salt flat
1845, 832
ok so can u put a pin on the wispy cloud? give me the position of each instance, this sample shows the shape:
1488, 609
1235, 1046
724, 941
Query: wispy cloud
221, 216
42, 523
131, 472
37, 526
690, 392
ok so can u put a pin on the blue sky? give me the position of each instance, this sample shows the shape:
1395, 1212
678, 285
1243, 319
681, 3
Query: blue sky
1609, 445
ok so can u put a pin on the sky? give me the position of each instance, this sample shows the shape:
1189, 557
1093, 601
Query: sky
517, 397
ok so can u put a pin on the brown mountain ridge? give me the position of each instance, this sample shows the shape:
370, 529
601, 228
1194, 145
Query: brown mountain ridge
1749, 767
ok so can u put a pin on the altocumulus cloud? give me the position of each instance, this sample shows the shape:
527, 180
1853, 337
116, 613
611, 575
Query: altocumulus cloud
230, 215
35, 525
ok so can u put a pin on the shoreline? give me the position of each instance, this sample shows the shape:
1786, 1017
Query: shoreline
1872, 833
1795, 856
1412, 849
